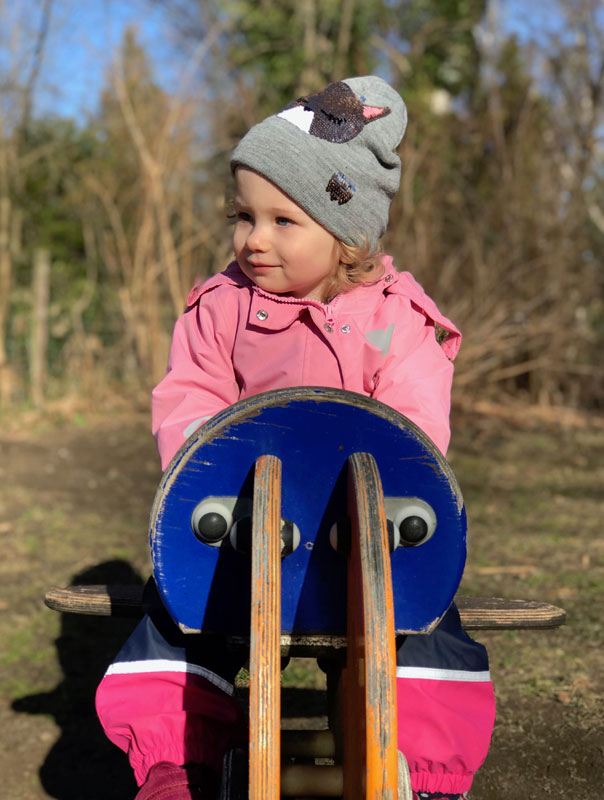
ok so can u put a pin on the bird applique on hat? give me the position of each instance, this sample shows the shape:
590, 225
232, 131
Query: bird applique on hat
335, 114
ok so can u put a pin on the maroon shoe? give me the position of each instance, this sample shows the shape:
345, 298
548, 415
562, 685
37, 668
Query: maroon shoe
167, 781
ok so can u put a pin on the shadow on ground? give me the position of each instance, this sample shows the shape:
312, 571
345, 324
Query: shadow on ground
83, 763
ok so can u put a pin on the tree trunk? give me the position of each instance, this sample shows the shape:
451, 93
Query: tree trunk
39, 328
6, 270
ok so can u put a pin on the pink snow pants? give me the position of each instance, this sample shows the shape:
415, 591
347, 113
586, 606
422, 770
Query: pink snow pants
170, 697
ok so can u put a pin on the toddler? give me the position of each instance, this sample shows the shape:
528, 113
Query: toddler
308, 301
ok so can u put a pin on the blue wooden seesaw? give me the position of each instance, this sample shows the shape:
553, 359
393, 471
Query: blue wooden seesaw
311, 521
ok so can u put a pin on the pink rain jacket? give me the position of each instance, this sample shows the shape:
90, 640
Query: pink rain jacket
235, 340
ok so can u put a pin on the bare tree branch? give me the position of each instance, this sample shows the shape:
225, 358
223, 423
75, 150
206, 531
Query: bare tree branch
38, 54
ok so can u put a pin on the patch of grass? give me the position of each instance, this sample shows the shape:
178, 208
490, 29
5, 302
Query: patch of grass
124, 553
15, 686
19, 645
300, 672
304, 673
29, 642
79, 420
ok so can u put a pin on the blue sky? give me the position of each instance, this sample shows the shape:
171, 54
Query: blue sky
84, 35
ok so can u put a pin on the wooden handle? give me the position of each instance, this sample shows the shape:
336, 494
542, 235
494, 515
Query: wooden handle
265, 634
369, 678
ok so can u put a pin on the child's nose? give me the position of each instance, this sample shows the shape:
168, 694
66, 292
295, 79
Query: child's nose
258, 239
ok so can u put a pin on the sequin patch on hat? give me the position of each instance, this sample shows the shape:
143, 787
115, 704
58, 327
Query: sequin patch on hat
340, 188
337, 114
299, 116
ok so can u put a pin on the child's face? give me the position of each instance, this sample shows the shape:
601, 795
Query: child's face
277, 244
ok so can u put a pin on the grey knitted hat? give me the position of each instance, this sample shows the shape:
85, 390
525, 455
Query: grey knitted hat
333, 153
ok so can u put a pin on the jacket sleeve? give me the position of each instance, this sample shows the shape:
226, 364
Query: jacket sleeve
417, 375
200, 380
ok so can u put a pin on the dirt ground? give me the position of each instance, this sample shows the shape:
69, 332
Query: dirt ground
74, 502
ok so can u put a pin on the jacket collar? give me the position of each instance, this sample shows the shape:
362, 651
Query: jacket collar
233, 276
276, 312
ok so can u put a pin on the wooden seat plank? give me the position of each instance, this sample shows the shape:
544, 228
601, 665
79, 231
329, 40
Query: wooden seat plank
477, 613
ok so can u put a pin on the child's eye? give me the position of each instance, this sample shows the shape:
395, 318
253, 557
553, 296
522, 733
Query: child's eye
283, 221
243, 216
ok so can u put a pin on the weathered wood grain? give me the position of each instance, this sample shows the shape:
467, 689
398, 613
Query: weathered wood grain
477, 613
265, 650
97, 600
370, 754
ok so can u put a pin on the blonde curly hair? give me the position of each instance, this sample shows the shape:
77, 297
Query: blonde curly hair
357, 264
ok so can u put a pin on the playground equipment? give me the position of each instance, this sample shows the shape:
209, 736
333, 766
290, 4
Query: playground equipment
314, 522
